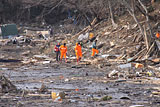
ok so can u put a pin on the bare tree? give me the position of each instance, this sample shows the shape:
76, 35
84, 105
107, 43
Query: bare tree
131, 10
148, 38
111, 14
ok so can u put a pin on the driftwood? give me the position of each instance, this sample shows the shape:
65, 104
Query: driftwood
137, 55
127, 45
6, 85
149, 50
118, 30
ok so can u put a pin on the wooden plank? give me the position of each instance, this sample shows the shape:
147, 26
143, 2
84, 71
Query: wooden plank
154, 68
40, 95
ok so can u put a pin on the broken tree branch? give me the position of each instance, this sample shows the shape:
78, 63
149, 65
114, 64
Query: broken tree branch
147, 17
146, 38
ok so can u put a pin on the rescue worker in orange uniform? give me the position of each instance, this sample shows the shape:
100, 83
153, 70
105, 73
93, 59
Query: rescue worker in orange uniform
94, 48
78, 51
63, 49
158, 34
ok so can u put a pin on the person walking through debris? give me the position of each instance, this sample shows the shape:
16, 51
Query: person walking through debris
51, 31
57, 51
78, 51
94, 48
63, 50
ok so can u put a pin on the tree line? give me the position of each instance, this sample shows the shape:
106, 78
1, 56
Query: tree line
80, 12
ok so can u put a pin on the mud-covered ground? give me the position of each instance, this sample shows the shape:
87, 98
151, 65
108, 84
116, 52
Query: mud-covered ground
84, 86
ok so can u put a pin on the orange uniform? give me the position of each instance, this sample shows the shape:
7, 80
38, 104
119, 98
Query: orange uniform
63, 50
78, 51
94, 51
94, 48
157, 35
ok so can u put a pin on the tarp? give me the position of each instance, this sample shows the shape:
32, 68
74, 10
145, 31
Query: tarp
9, 29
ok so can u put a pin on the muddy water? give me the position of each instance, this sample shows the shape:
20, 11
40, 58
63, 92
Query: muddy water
91, 82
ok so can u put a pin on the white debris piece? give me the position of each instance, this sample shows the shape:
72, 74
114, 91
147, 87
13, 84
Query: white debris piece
112, 73
83, 36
